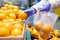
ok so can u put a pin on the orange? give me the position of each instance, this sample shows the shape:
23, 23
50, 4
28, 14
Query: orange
16, 7
1, 24
4, 8
34, 32
19, 26
5, 20
46, 28
6, 5
7, 17
22, 14
1, 11
4, 31
11, 20
38, 25
39, 37
12, 15
45, 35
19, 20
16, 32
8, 25
15, 11
10, 10
56, 32
6, 12
2, 16
10, 7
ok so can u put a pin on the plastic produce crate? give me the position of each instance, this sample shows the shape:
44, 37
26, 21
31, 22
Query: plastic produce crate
21, 37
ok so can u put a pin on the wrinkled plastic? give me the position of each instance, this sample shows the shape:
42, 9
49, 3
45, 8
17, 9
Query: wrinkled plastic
45, 17
42, 6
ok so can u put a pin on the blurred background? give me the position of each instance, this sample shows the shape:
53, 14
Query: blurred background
23, 4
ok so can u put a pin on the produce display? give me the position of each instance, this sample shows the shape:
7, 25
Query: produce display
11, 25
43, 32
11, 18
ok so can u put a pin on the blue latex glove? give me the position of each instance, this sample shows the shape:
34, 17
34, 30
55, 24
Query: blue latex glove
30, 12
43, 7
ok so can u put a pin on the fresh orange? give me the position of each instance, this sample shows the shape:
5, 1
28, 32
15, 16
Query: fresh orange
4, 31
7, 17
11, 20
38, 25
12, 15
19, 26
10, 10
56, 32
8, 25
1, 11
1, 24
6, 12
45, 35
46, 28
6, 5
16, 32
22, 14
10, 7
19, 20
4, 8
2, 16
39, 37
16, 7
15, 11
34, 32
5, 20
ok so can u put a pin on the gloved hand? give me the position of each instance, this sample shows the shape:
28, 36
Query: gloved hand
39, 6
30, 11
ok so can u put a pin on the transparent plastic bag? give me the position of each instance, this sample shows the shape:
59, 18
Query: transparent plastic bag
45, 17
45, 22
30, 20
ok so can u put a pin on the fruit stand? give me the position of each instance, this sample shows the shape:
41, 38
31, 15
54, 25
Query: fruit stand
13, 27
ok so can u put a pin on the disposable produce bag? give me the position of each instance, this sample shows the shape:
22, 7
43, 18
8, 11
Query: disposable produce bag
45, 22
30, 20
45, 17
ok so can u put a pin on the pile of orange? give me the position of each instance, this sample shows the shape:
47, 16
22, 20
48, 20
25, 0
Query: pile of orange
11, 11
43, 31
10, 16
10, 29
